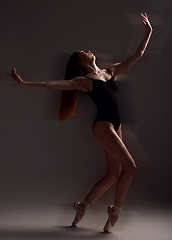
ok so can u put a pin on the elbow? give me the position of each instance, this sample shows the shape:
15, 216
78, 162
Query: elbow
49, 85
139, 54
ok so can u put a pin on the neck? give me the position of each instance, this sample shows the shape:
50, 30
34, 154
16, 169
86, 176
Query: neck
92, 69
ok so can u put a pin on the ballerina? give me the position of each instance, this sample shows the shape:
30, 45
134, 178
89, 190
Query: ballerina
82, 74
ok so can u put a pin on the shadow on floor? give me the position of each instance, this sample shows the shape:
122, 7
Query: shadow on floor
56, 232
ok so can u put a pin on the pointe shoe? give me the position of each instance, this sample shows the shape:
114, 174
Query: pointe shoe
79, 213
113, 214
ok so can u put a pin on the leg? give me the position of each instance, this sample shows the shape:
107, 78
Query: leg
118, 198
111, 177
109, 139
112, 142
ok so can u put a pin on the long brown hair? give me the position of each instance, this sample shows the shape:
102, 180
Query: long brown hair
69, 97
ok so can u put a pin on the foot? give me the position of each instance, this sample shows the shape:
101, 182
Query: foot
80, 211
113, 214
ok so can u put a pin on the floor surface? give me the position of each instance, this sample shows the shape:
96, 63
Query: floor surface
46, 224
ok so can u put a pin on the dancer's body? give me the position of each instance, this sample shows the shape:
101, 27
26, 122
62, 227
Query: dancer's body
106, 129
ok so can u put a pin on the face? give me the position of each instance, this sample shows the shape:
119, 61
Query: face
86, 57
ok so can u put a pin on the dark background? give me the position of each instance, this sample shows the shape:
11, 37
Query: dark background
45, 163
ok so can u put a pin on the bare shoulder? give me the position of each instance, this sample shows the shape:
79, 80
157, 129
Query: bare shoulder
84, 84
113, 69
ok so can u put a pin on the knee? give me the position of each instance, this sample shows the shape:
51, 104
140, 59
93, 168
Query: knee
131, 170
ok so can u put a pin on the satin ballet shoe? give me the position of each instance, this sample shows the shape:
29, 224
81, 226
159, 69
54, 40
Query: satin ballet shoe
79, 213
113, 214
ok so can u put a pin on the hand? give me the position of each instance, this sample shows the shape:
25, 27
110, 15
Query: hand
15, 76
146, 22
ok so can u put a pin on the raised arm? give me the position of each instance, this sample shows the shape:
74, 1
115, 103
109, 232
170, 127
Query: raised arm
78, 83
120, 67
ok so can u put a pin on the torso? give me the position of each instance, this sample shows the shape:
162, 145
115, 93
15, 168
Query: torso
104, 94
104, 76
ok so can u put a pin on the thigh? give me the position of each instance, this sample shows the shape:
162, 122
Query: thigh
113, 166
110, 140
119, 132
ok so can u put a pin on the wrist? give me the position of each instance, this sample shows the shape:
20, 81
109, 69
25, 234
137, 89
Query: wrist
149, 31
22, 82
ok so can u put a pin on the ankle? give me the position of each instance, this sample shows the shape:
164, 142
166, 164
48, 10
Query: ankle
84, 205
116, 208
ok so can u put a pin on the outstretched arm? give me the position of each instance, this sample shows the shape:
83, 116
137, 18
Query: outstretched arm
77, 83
118, 68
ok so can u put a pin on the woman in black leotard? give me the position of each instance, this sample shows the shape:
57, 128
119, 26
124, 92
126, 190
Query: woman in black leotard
83, 74
105, 96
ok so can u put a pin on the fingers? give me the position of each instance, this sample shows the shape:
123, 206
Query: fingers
145, 19
144, 16
144, 22
13, 73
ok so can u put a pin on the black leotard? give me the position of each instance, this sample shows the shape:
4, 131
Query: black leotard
105, 96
